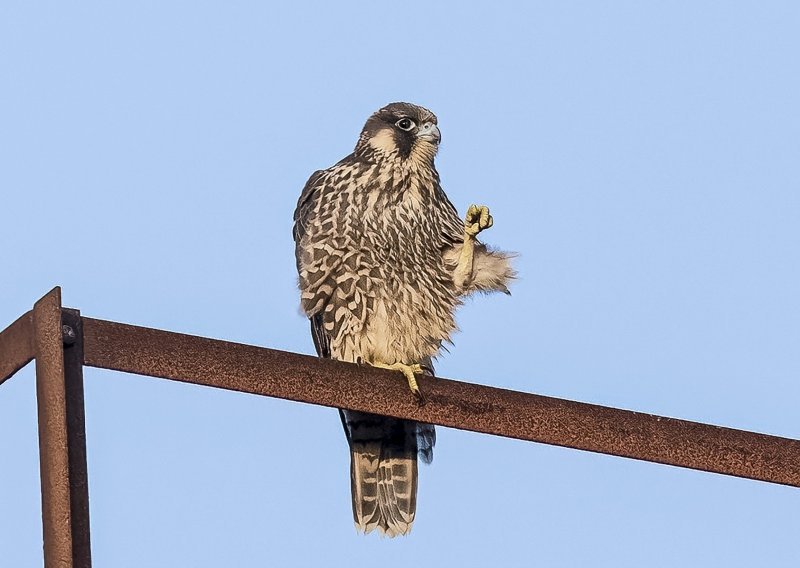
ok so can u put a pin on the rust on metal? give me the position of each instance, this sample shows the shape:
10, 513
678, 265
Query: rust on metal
466, 406
76, 429
16, 346
62, 436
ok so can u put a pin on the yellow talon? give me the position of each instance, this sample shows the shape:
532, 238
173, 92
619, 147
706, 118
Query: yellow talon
408, 372
478, 218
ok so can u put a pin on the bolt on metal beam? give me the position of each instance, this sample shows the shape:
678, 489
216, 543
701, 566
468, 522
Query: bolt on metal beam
62, 435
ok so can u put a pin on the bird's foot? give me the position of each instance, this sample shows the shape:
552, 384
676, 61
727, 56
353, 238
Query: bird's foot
408, 372
477, 219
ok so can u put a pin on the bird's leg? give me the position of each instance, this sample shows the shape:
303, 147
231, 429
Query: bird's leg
477, 219
408, 372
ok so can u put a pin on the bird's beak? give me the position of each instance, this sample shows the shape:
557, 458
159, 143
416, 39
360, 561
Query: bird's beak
430, 132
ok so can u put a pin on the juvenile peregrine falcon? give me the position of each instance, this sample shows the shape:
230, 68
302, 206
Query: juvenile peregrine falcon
384, 260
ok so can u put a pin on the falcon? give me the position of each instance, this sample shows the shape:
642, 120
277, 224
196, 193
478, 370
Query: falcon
384, 260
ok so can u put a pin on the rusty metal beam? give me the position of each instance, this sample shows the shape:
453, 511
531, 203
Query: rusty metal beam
16, 346
450, 403
58, 346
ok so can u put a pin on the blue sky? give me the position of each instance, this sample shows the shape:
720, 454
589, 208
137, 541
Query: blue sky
641, 157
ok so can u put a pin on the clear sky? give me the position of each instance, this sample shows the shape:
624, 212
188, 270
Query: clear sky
641, 157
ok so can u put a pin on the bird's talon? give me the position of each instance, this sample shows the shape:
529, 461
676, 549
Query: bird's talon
408, 372
477, 219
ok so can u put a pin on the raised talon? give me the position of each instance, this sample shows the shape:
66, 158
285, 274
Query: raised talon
477, 219
408, 372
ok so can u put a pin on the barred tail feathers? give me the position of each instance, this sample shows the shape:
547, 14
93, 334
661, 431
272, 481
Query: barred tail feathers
384, 488
364, 465
383, 470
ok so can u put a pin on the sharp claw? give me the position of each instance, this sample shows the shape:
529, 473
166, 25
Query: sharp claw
408, 372
414, 387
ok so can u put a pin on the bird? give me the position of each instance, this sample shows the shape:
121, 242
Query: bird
384, 260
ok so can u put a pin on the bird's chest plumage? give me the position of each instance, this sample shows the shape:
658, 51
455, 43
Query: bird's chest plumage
392, 296
403, 229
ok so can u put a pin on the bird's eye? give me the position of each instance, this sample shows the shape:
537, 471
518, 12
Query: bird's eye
405, 124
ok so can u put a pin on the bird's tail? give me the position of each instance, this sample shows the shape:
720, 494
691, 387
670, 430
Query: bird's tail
384, 488
383, 470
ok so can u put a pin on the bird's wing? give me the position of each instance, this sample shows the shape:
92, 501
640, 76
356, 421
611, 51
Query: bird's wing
322, 341
306, 237
304, 203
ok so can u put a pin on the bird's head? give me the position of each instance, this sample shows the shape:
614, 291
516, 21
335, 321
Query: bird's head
401, 131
